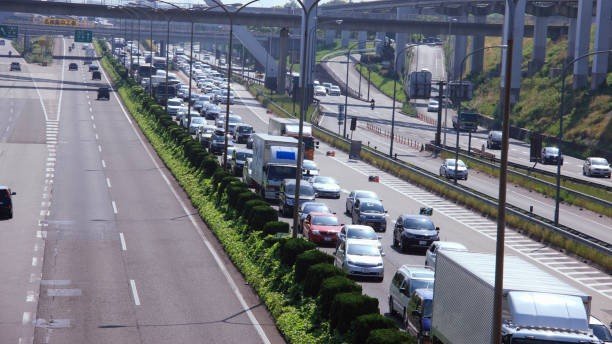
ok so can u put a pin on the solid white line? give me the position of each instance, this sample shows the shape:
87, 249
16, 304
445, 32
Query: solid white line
108, 183
123, 246
228, 277
114, 207
135, 292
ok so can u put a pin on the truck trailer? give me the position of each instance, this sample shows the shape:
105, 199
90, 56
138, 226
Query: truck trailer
538, 308
290, 127
274, 159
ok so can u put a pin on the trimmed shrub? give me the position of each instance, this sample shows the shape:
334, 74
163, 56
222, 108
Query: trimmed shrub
331, 287
210, 166
307, 259
233, 190
346, 307
293, 248
224, 183
364, 324
273, 227
245, 197
218, 176
270, 240
389, 336
315, 276
261, 215
249, 205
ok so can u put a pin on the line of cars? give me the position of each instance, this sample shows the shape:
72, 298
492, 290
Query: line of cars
325, 89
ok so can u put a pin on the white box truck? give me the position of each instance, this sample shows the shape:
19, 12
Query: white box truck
538, 308
274, 159
291, 127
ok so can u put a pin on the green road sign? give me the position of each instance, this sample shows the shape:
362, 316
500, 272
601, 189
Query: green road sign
8, 31
83, 36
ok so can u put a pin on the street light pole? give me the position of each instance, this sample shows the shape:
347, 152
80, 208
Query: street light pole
560, 136
448, 78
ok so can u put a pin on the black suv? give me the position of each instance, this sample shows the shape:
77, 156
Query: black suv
370, 212
414, 231
6, 204
73, 66
103, 93
15, 66
286, 196
551, 155
93, 68
494, 140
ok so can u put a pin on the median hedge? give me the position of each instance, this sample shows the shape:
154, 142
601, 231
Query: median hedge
266, 262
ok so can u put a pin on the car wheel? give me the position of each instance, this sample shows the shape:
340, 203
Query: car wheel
391, 310
380, 279
395, 243
465, 178
402, 247
405, 319
589, 172
583, 173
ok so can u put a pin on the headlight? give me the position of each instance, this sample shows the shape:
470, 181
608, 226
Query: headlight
379, 263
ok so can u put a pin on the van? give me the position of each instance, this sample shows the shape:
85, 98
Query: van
103, 93
96, 75
406, 280
6, 202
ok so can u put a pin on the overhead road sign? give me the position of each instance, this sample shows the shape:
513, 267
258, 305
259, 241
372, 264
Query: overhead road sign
8, 31
83, 36
61, 21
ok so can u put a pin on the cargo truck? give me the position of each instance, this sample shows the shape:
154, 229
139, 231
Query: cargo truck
290, 127
537, 308
274, 159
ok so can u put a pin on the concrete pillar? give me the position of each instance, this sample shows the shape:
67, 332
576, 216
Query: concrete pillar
459, 52
401, 39
517, 55
362, 38
163, 47
380, 37
603, 24
345, 36
330, 37
311, 48
539, 44
478, 42
571, 38
283, 50
583, 39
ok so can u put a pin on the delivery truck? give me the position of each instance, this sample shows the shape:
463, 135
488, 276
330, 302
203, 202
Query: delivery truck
537, 307
274, 159
290, 127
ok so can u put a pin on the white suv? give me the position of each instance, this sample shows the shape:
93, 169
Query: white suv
406, 280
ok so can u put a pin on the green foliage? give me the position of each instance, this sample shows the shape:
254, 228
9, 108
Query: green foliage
261, 215
218, 176
224, 183
274, 227
243, 198
364, 324
389, 336
331, 287
233, 190
315, 276
307, 259
250, 205
348, 306
293, 248
210, 166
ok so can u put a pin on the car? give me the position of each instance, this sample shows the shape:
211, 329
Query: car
432, 251
309, 168
96, 75
551, 155
350, 200
286, 196
414, 231
326, 186
418, 314
15, 66
196, 123
327, 86
239, 157
204, 135
309, 207
593, 167
370, 212
406, 280
600, 330
243, 132
217, 143
494, 139
320, 91
249, 143
73, 66
6, 202
335, 91
103, 93
246, 173
360, 232
433, 106
448, 168
223, 97
361, 259
321, 228
93, 67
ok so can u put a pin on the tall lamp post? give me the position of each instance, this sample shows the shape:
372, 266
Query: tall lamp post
448, 75
460, 96
561, 113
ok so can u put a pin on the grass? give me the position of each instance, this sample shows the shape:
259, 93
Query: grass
40, 50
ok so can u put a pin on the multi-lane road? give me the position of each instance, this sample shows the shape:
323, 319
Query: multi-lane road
104, 247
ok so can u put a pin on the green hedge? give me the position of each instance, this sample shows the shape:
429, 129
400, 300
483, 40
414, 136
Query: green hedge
315, 276
364, 324
261, 215
307, 259
293, 248
390, 336
331, 287
250, 205
276, 227
346, 307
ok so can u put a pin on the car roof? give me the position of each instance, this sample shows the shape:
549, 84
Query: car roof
426, 294
415, 271
371, 200
318, 213
3, 187
358, 227
414, 216
350, 241
450, 245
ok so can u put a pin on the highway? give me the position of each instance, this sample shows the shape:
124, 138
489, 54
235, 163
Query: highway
421, 132
101, 226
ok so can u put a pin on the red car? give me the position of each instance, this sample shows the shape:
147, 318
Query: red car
322, 228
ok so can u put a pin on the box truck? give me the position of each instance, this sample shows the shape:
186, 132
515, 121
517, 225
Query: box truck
274, 159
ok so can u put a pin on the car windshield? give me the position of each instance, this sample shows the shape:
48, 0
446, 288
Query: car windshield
371, 207
319, 208
496, 134
197, 120
324, 180
243, 155
174, 102
4, 195
420, 284
366, 194
362, 233
305, 190
451, 162
552, 150
235, 119
601, 332
281, 172
325, 221
218, 138
309, 165
419, 223
244, 130
599, 161
363, 250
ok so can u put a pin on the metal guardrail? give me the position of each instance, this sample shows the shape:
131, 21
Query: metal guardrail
590, 198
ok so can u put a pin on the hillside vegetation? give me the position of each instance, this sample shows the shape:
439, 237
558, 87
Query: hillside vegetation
588, 114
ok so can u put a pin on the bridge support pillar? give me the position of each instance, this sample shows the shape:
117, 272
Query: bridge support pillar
163, 48
330, 37
478, 42
603, 40
380, 38
583, 38
517, 53
401, 39
345, 37
311, 43
571, 38
283, 50
362, 37
459, 51
539, 44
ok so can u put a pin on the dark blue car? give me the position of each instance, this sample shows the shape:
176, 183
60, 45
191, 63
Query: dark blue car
419, 310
